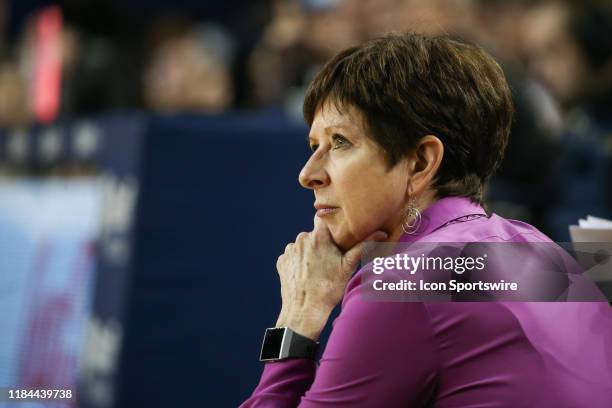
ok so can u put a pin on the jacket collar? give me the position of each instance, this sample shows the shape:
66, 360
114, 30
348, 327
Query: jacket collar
440, 213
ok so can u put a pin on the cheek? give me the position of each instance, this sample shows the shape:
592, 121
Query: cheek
370, 206
369, 193
377, 208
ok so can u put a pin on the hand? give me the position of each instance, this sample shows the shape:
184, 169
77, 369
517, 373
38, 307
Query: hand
314, 273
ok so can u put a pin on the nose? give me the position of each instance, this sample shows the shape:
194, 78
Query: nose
313, 174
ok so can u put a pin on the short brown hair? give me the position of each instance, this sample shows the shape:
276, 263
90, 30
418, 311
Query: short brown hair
411, 85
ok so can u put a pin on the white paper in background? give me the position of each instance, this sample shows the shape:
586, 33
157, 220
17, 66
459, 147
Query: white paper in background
591, 229
594, 222
47, 234
579, 234
599, 232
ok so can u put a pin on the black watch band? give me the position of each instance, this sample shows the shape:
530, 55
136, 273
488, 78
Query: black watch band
281, 342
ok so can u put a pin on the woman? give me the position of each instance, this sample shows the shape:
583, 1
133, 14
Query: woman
405, 132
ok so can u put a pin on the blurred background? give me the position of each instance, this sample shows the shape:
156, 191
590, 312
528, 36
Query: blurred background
149, 153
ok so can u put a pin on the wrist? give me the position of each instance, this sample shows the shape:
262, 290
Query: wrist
307, 321
281, 343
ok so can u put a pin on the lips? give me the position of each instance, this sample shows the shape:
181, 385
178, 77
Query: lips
325, 209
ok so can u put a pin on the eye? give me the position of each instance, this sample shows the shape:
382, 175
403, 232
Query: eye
339, 141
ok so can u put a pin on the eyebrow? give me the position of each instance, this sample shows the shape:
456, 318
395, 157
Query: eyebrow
330, 127
339, 126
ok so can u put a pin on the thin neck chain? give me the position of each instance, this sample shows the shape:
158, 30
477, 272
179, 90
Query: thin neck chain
464, 218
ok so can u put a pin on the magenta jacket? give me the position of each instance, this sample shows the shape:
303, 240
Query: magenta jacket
494, 354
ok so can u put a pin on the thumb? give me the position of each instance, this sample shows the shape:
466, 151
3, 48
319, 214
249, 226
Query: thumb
320, 228
351, 258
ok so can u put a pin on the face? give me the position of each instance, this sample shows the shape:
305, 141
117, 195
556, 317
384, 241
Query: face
356, 193
554, 56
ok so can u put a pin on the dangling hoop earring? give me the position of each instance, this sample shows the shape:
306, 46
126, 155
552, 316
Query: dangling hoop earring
412, 219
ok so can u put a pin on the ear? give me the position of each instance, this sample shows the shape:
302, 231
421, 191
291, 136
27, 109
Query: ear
425, 163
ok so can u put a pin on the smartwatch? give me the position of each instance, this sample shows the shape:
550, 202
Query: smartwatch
280, 343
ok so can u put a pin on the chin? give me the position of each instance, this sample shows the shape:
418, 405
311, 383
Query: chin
340, 239
343, 240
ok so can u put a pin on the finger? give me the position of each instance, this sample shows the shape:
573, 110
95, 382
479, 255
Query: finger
377, 236
319, 224
320, 228
351, 257
279, 262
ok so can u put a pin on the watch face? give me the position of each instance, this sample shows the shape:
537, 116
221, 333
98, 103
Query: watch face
271, 347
